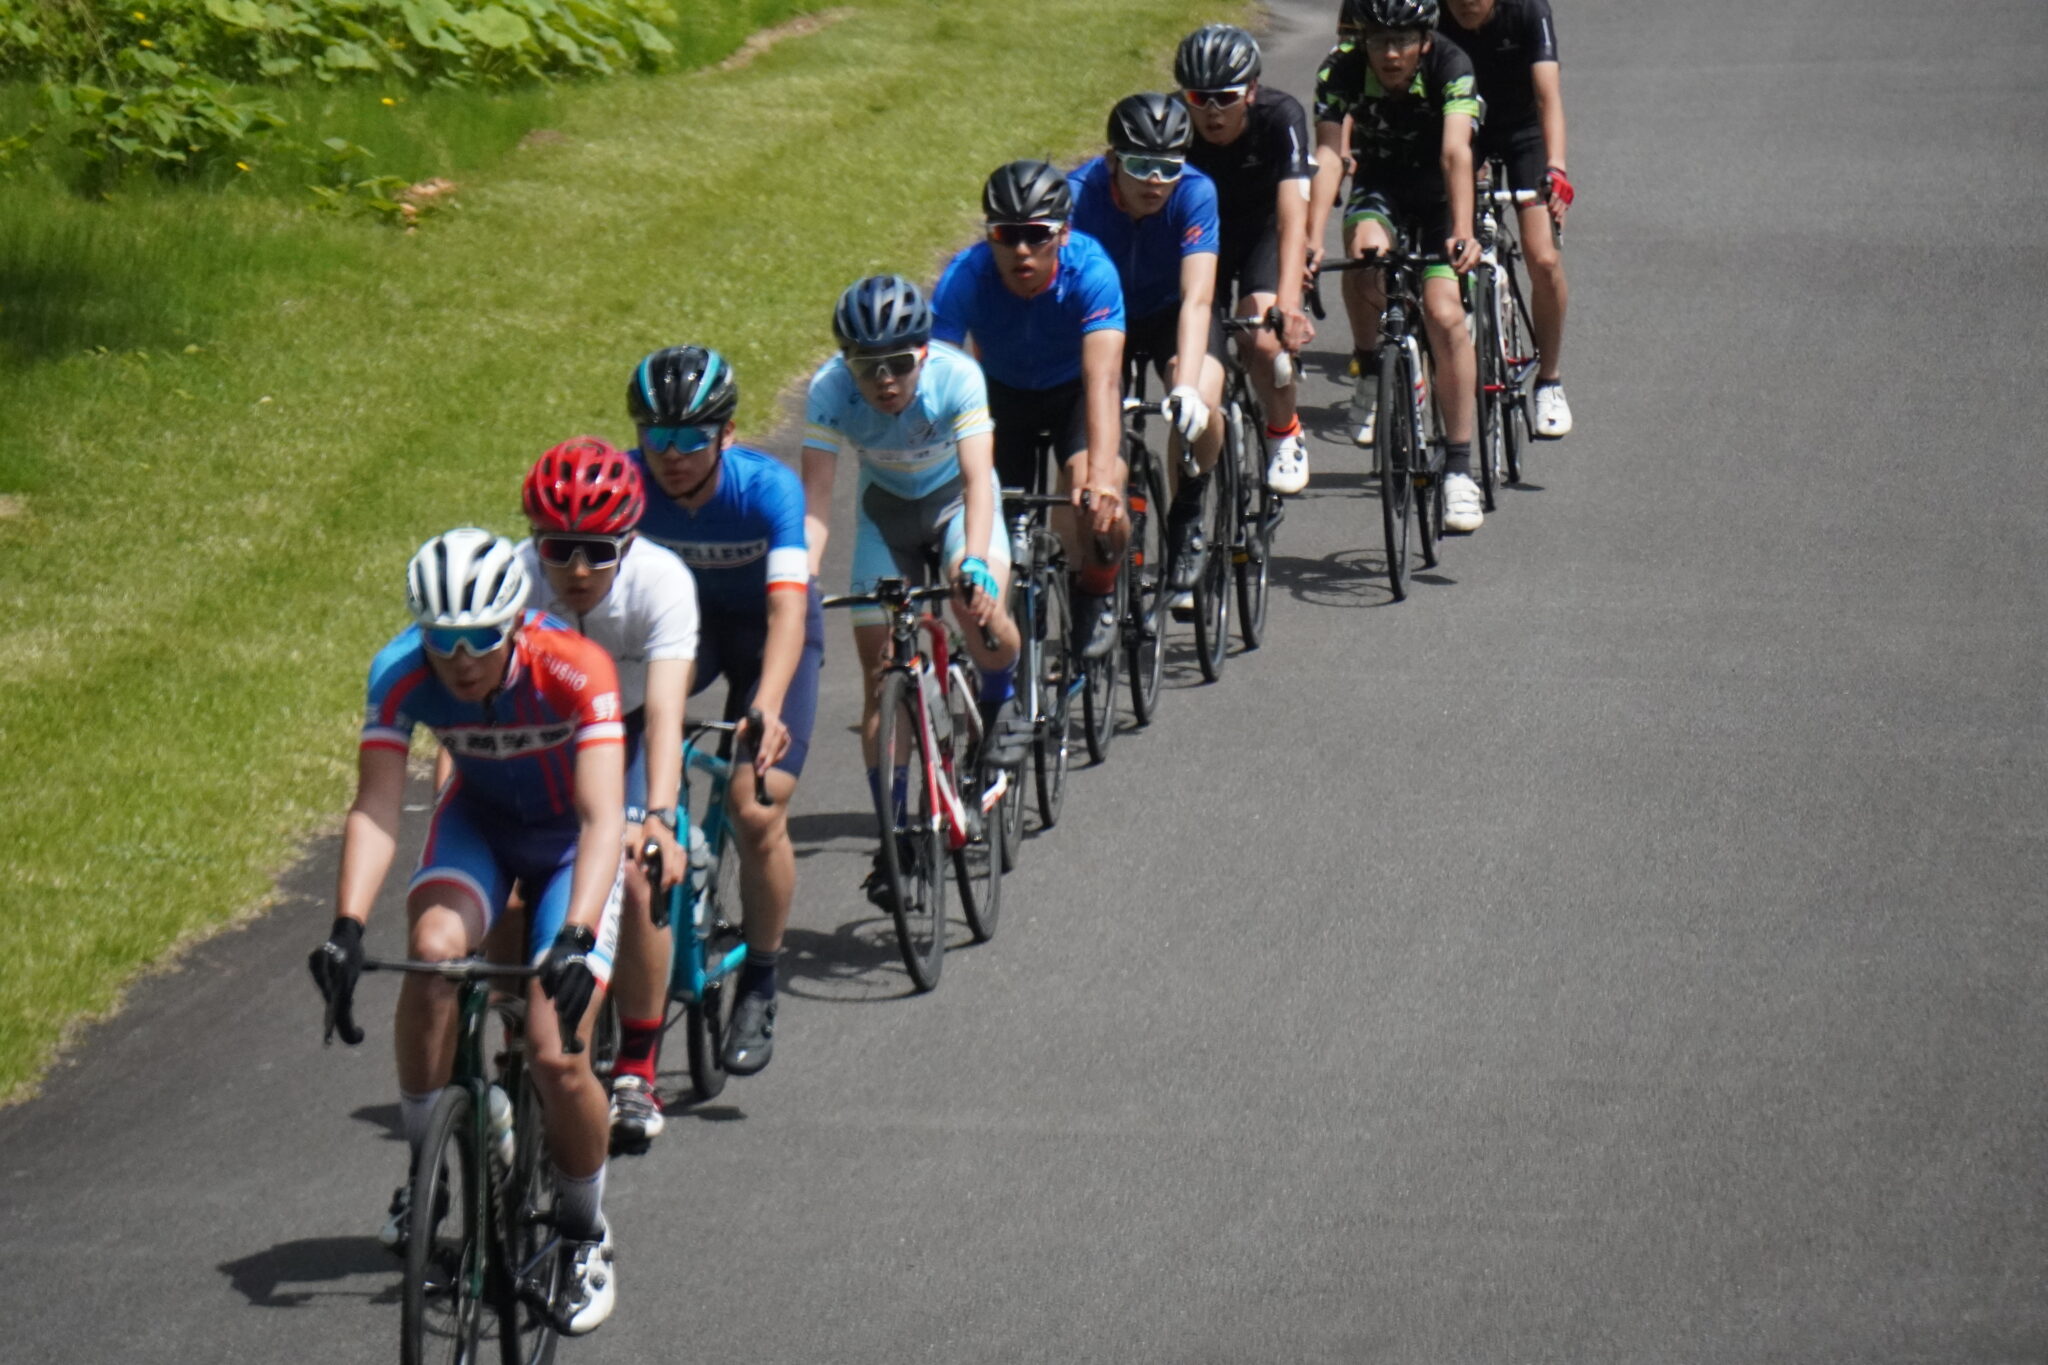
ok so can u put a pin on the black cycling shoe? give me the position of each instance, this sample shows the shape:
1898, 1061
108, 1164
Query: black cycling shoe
1095, 624
880, 894
1185, 546
750, 1037
1005, 734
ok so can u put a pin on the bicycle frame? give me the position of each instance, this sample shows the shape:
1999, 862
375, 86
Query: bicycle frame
691, 971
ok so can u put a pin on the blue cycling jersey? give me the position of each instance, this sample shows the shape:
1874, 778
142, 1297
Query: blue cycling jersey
1146, 251
1032, 343
747, 539
917, 451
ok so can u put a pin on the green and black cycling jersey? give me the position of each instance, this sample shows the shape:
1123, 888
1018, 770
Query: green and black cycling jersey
1398, 135
1516, 36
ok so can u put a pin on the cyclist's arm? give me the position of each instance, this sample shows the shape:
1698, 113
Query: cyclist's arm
601, 821
1550, 111
977, 459
369, 839
1197, 303
1102, 364
1457, 164
820, 468
1329, 178
1292, 219
668, 687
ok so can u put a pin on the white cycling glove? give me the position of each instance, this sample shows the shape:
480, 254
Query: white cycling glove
1190, 413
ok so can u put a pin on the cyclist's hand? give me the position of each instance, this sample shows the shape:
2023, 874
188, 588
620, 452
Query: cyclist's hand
337, 965
1310, 265
1105, 507
977, 589
1557, 189
1462, 253
674, 863
770, 742
1296, 331
1188, 413
566, 978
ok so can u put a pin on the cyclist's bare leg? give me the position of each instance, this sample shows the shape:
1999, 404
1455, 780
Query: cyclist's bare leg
1547, 292
1450, 342
1000, 625
1085, 547
767, 862
1209, 445
1261, 349
1365, 291
640, 976
871, 643
445, 924
574, 1107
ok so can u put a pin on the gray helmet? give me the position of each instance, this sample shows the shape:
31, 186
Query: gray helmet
882, 313
1026, 192
682, 386
1216, 58
1156, 125
1382, 15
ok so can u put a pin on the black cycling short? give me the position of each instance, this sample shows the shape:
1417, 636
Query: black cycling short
1026, 417
1521, 149
1158, 337
1418, 213
1252, 267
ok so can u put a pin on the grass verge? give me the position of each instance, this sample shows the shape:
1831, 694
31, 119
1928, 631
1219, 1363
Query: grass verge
226, 421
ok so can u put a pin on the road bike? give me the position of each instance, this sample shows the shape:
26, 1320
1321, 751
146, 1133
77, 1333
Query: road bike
1259, 508
1143, 594
1048, 673
1501, 332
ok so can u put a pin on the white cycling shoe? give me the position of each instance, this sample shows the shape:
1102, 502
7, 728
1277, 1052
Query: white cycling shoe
1365, 402
1286, 463
592, 1289
1463, 510
1553, 414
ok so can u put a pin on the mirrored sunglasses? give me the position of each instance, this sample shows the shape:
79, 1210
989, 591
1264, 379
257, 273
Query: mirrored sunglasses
473, 640
1139, 166
897, 364
682, 440
1217, 99
1022, 234
599, 552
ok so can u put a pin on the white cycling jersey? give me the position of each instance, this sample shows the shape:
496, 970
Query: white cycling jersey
650, 612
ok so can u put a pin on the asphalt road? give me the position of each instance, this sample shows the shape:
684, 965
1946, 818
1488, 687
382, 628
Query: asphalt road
1620, 951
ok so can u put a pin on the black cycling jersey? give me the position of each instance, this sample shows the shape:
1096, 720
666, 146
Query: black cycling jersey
1273, 147
1398, 135
1516, 36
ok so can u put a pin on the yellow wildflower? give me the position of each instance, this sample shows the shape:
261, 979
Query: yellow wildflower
147, 43
241, 165
140, 17
389, 102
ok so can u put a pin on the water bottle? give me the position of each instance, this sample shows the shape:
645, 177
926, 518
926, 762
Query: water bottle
503, 1140
700, 860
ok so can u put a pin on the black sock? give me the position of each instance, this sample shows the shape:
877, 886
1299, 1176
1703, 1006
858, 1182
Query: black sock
1368, 361
1188, 496
1458, 458
757, 974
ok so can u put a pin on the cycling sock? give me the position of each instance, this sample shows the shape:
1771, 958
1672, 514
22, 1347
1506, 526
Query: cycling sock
875, 786
414, 1113
757, 974
1096, 580
1368, 362
1550, 383
1189, 495
1293, 428
898, 789
579, 1204
639, 1041
998, 685
1458, 458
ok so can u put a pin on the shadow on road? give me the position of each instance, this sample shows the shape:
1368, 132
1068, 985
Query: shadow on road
1344, 578
384, 1116
319, 1263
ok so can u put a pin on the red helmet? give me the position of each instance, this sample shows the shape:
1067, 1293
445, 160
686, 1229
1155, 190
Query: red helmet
584, 486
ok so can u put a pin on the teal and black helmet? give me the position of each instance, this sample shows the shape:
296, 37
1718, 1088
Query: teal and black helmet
682, 386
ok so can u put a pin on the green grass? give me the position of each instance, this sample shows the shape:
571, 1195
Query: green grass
226, 421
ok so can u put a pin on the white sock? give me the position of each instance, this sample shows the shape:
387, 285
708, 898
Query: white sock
414, 1113
579, 1204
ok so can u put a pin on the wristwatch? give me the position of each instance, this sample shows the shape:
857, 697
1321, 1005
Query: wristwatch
665, 814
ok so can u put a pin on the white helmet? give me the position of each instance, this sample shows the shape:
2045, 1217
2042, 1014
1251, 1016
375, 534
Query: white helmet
466, 577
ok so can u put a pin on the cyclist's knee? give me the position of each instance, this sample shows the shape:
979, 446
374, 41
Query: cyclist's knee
441, 931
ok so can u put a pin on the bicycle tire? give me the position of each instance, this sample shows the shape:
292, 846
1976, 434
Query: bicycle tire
1397, 481
1099, 679
705, 1018
1491, 407
1212, 589
1426, 445
912, 843
977, 864
1252, 555
605, 1040
525, 1206
1052, 748
1148, 597
1516, 362
440, 1312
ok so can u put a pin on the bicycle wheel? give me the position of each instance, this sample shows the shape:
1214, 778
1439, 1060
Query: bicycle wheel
705, 1018
1149, 598
1099, 682
604, 1041
1491, 407
1255, 510
913, 839
1394, 438
528, 1249
1518, 365
1212, 589
977, 864
1428, 449
1052, 747
442, 1305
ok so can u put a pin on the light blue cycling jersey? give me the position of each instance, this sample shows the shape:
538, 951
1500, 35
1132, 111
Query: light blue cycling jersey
915, 452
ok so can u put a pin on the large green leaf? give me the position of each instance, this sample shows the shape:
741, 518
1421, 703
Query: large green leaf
497, 27
240, 13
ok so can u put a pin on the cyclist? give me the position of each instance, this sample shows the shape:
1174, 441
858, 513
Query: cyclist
1253, 141
735, 515
1513, 47
1413, 105
1156, 217
583, 500
1046, 314
915, 416
529, 713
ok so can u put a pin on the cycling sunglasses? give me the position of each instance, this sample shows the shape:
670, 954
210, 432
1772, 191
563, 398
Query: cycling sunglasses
1023, 234
1217, 99
1387, 41
682, 440
897, 364
599, 552
475, 641
1139, 166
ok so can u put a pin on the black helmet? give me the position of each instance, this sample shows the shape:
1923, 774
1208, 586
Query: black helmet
682, 386
1380, 15
882, 313
1351, 17
1216, 58
1026, 192
1156, 125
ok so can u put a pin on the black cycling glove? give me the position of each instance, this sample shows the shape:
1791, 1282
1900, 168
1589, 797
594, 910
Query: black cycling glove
337, 965
566, 977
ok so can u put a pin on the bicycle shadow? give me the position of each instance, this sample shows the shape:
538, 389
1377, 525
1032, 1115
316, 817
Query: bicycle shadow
857, 963
815, 832
313, 1262
1355, 578
382, 1116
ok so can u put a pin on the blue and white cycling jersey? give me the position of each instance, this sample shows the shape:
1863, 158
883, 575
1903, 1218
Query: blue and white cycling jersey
745, 541
1032, 343
1146, 251
917, 451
